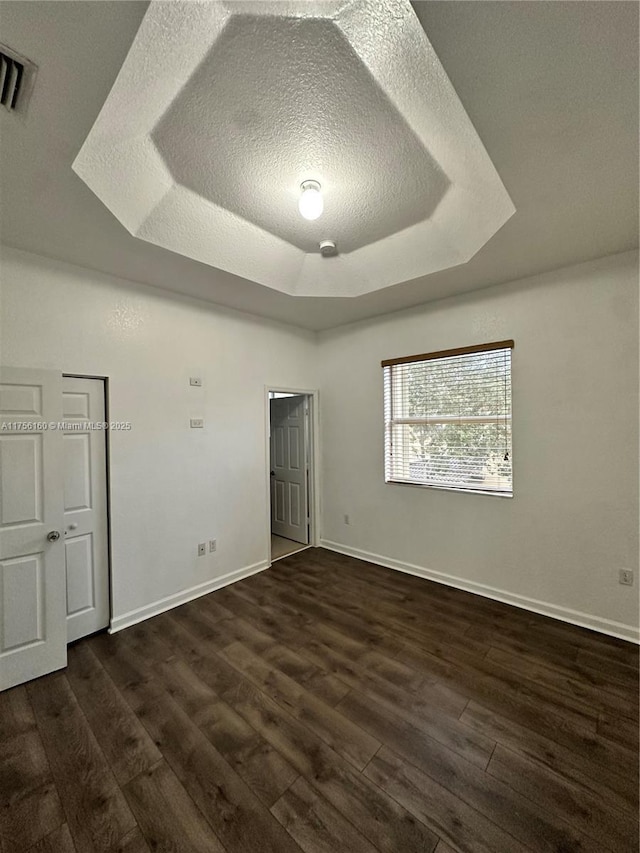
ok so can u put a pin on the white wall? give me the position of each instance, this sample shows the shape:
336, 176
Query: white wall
573, 521
556, 546
171, 486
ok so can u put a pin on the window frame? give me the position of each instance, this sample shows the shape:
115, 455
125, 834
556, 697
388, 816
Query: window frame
389, 421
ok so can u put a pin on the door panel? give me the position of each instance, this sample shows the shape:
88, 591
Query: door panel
279, 503
294, 504
289, 503
77, 404
85, 508
293, 434
20, 399
23, 587
21, 480
278, 436
80, 575
32, 583
77, 472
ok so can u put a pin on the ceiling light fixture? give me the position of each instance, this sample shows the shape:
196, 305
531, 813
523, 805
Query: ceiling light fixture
328, 248
310, 203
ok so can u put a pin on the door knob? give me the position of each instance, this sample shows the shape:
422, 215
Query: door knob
53, 536
273, 473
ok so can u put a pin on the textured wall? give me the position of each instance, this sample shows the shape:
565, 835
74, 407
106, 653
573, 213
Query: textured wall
171, 486
573, 520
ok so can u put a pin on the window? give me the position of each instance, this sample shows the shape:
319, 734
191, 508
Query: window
448, 419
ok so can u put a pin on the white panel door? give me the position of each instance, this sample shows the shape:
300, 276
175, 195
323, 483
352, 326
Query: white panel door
33, 637
85, 507
289, 498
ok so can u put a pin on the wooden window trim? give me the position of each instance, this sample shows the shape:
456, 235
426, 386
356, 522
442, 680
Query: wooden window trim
447, 353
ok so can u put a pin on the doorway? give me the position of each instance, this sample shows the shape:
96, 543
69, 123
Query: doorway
292, 516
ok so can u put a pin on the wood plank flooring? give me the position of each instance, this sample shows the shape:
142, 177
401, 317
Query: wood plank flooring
328, 705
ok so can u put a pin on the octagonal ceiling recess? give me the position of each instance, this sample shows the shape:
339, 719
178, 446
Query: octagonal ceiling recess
223, 109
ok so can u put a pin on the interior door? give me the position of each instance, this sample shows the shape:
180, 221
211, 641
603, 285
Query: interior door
33, 636
85, 507
289, 497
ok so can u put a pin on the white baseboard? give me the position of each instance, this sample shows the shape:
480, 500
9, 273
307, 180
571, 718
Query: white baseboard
564, 614
171, 601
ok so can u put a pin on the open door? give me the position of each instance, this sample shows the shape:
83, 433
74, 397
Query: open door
85, 507
33, 629
289, 467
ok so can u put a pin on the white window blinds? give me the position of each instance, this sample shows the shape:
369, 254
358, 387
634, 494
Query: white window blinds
448, 419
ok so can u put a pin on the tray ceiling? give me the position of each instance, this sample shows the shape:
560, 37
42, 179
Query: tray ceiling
557, 114
222, 110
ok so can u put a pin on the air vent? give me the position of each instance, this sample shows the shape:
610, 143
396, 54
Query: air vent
17, 75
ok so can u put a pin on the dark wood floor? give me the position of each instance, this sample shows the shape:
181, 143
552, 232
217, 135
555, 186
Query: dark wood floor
328, 705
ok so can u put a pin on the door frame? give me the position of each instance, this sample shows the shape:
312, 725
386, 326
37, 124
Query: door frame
107, 462
312, 396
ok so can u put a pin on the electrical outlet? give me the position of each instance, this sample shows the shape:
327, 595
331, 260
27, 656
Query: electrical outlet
213, 544
347, 520
625, 576
195, 381
202, 549
196, 423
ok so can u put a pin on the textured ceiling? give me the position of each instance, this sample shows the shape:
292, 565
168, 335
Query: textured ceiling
551, 88
223, 109
247, 129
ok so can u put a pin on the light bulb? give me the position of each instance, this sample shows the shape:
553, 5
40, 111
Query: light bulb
310, 203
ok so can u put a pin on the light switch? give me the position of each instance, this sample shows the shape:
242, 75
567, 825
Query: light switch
195, 380
196, 423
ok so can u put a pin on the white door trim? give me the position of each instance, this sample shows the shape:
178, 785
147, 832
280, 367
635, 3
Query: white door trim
314, 466
290, 465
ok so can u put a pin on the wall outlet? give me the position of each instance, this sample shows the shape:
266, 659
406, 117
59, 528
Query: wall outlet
202, 549
347, 520
213, 544
195, 381
196, 423
625, 576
